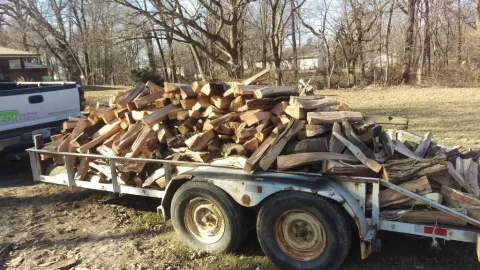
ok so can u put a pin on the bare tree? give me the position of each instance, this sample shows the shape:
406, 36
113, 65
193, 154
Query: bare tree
225, 34
294, 40
52, 31
477, 15
276, 26
387, 44
408, 47
147, 36
321, 34
102, 41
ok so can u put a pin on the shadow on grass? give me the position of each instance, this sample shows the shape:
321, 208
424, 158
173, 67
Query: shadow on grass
9, 181
130, 201
43, 200
399, 252
14, 166
4, 254
77, 241
136, 202
251, 246
402, 252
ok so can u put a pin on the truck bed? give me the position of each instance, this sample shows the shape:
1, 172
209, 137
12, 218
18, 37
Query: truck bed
28, 109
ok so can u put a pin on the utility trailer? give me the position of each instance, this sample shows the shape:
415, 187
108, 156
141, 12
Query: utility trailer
303, 220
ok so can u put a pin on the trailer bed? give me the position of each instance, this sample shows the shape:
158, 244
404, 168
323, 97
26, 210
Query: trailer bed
349, 191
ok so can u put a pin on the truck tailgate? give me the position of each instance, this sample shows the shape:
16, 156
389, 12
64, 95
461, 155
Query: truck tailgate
26, 107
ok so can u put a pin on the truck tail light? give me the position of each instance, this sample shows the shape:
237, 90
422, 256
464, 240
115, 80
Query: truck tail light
81, 94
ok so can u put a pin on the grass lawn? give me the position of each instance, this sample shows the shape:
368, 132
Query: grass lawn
101, 93
450, 114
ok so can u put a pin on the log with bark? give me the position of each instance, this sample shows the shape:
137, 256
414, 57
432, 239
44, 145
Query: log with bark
399, 171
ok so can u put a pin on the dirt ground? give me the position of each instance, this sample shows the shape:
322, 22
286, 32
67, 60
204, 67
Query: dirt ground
46, 225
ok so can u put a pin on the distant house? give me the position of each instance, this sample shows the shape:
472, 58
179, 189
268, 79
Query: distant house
179, 70
380, 61
13, 65
308, 58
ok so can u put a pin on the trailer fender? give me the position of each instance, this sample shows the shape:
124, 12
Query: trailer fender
173, 185
251, 193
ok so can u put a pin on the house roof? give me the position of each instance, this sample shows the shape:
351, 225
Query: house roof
303, 52
12, 53
15, 64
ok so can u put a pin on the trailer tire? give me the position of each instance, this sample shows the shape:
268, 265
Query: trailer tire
207, 218
297, 230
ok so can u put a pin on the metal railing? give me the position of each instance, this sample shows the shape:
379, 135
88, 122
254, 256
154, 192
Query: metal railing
114, 186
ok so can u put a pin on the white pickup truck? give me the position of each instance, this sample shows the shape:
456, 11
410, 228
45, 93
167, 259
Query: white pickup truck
31, 108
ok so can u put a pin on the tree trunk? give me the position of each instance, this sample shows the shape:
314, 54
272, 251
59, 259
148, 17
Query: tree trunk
294, 42
360, 53
162, 55
459, 29
72, 69
447, 38
264, 54
380, 49
477, 15
421, 66
276, 60
235, 65
263, 26
240, 47
408, 47
173, 65
196, 58
427, 41
275, 44
387, 43
331, 67
88, 68
353, 74
150, 52
105, 59
328, 66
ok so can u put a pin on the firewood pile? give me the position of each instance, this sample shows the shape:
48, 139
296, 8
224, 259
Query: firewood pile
258, 127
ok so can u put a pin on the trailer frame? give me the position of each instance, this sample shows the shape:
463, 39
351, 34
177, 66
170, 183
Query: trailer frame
251, 189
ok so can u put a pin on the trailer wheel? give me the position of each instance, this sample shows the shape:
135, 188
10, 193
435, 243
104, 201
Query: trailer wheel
207, 218
298, 230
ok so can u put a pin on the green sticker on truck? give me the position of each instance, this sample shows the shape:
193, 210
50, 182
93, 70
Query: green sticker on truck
7, 117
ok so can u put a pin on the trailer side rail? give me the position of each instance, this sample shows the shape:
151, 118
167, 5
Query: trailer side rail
67, 178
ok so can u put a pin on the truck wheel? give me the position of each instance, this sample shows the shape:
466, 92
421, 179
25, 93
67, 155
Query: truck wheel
298, 230
207, 218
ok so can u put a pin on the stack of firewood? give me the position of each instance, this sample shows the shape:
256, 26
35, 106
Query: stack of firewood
265, 127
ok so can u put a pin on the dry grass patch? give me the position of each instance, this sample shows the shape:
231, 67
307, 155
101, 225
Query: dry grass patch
101, 93
451, 114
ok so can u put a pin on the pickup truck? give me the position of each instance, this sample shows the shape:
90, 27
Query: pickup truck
30, 108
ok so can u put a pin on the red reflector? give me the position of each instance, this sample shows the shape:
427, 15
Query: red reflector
259, 189
438, 231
